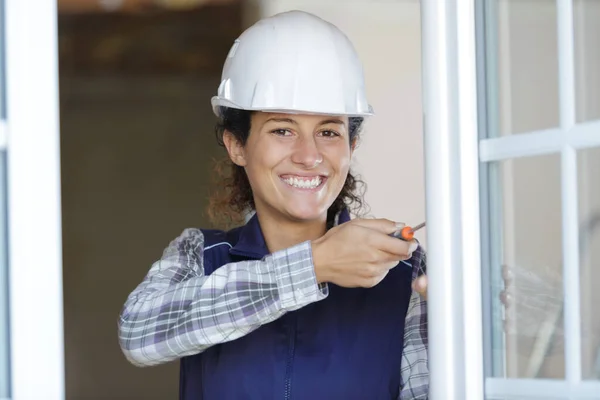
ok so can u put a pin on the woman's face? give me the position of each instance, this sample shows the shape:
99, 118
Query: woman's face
296, 164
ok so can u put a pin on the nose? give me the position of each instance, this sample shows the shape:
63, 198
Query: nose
306, 153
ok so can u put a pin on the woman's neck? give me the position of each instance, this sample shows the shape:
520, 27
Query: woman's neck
280, 233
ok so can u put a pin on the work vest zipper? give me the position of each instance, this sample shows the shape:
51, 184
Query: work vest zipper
290, 360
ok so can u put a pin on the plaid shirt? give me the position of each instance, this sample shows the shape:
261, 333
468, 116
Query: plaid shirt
178, 311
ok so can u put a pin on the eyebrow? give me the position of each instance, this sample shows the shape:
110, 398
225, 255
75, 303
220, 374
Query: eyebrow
287, 120
335, 121
332, 121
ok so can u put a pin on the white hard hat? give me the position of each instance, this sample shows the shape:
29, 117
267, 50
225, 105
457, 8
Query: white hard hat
293, 62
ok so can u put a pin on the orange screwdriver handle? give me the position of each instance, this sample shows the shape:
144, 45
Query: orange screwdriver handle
405, 234
408, 232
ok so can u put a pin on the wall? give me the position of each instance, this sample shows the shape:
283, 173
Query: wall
135, 156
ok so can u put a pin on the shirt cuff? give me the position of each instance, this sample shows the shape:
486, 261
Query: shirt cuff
295, 277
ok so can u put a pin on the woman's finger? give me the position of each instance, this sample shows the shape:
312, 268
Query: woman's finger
420, 286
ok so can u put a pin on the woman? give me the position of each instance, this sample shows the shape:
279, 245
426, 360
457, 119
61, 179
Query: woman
300, 302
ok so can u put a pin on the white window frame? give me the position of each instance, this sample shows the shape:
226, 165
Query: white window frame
4, 327
31, 138
454, 156
452, 194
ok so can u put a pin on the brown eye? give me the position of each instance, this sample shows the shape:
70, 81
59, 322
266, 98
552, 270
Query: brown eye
329, 134
281, 132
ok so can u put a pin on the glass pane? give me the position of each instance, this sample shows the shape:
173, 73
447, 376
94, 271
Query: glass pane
4, 346
586, 14
522, 60
589, 217
527, 300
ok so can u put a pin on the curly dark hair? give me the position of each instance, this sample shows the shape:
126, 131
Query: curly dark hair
233, 196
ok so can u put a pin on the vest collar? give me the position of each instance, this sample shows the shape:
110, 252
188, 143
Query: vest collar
251, 242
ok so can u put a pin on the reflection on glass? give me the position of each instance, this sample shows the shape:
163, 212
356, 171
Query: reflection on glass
589, 218
4, 345
586, 14
527, 314
523, 65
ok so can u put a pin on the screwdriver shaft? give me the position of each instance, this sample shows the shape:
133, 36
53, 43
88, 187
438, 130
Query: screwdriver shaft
417, 227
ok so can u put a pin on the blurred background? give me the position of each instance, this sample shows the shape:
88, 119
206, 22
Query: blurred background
137, 148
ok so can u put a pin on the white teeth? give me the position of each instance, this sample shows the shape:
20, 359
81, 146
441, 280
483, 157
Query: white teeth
304, 183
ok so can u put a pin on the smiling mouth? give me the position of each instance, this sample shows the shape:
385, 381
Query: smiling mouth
301, 182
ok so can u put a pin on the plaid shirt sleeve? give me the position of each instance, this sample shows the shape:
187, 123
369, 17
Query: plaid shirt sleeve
414, 371
177, 310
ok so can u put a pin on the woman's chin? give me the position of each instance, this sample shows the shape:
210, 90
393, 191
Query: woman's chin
307, 212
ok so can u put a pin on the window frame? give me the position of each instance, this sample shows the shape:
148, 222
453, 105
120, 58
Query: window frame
459, 78
452, 193
33, 196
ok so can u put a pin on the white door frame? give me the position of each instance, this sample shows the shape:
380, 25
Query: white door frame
34, 207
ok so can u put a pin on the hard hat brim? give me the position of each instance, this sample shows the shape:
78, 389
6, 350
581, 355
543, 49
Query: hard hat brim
218, 102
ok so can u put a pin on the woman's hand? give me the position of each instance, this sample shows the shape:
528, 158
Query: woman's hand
360, 252
420, 285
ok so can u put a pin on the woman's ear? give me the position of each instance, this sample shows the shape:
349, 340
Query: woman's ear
234, 148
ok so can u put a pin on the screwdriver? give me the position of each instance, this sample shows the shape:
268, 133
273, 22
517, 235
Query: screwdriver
408, 233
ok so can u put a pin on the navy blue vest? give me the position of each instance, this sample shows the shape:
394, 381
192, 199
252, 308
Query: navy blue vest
347, 346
